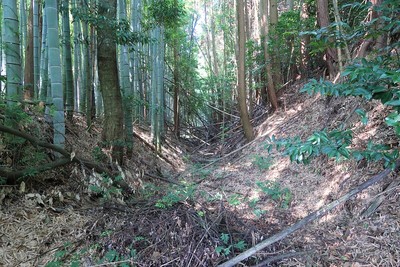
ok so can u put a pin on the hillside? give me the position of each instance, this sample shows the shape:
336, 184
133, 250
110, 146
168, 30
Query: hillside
239, 199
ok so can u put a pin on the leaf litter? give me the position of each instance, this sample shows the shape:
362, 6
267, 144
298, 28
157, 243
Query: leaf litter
54, 218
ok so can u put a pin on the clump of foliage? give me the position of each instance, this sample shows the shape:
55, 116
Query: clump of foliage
276, 192
104, 186
67, 256
175, 195
227, 248
376, 77
262, 163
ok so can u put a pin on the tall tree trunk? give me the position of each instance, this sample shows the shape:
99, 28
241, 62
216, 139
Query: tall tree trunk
209, 60
250, 61
23, 32
304, 42
78, 77
157, 87
176, 85
369, 41
44, 64
290, 4
154, 102
36, 48
67, 61
215, 63
244, 115
126, 85
276, 61
323, 21
28, 71
339, 28
87, 73
55, 72
12, 51
176, 88
112, 133
264, 7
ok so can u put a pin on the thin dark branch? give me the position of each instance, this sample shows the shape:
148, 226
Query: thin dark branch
13, 176
67, 155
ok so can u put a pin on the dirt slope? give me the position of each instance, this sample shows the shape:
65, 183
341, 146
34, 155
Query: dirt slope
343, 237
241, 199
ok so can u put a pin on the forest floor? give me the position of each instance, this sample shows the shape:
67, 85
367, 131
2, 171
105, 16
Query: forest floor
241, 197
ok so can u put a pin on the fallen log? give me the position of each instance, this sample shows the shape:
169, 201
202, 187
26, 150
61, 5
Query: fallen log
309, 218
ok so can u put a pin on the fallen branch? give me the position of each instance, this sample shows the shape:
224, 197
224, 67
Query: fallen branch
163, 179
67, 158
309, 218
13, 176
379, 199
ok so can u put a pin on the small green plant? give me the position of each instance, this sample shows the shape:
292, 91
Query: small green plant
276, 192
262, 163
59, 256
103, 185
252, 204
149, 190
235, 200
106, 233
98, 154
201, 172
377, 78
64, 257
226, 249
176, 195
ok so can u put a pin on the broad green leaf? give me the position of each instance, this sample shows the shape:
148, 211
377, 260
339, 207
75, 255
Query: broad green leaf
383, 96
362, 92
363, 115
394, 103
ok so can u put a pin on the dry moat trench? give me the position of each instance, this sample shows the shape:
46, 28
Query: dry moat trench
54, 220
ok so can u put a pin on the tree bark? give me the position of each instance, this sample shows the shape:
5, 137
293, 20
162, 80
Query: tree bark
28, 71
57, 98
267, 58
112, 133
126, 85
323, 21
176, 90
67, 61
36, 47
244, 115
12, 50
176, 81
276, 61
368, 42
304, 43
